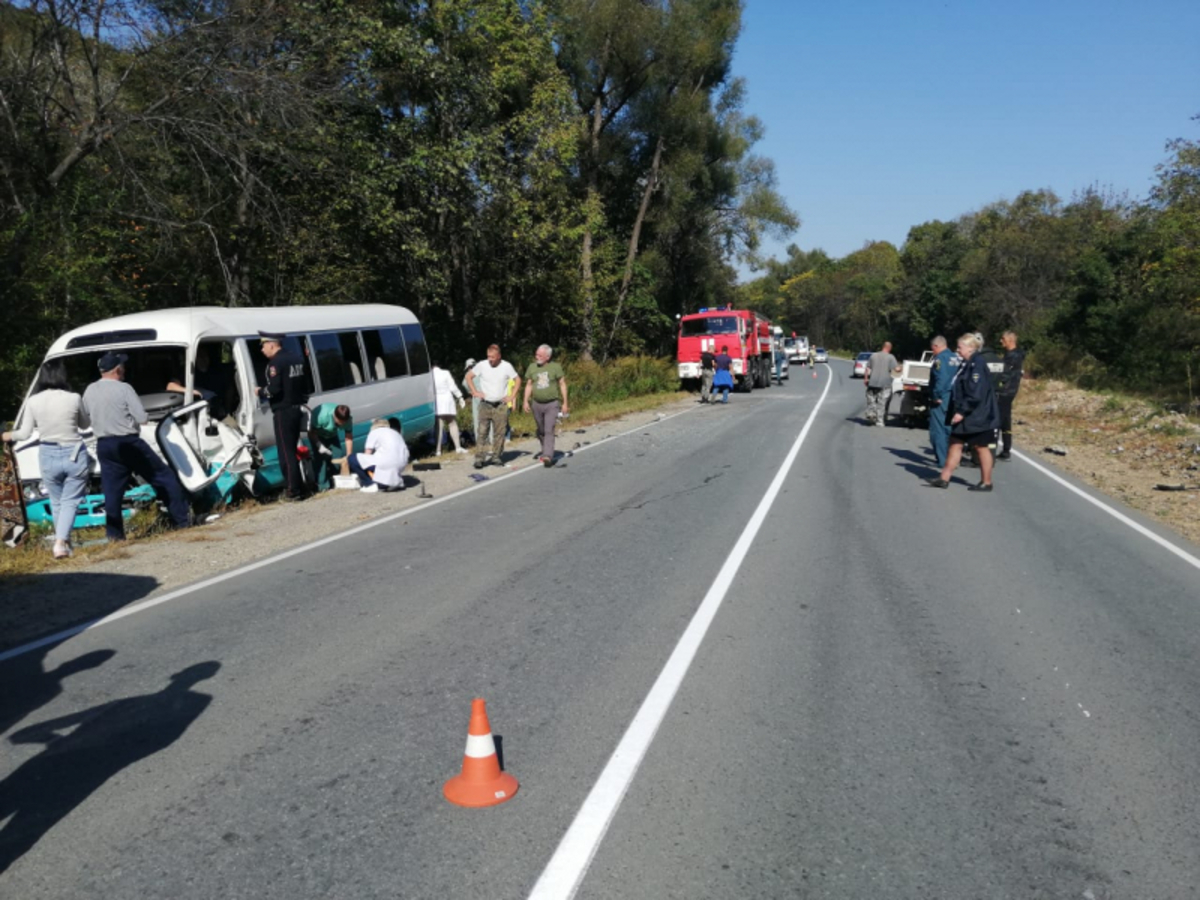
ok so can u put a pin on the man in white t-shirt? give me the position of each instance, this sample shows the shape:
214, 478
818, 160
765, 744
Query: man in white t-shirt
495, 382
384, 457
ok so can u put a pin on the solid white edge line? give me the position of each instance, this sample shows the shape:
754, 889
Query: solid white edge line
566, 869
1115, 513
144, 605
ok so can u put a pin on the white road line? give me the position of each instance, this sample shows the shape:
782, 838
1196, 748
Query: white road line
564, 873
1115, 513
144, 605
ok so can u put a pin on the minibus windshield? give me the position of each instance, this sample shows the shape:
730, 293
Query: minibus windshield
148, 370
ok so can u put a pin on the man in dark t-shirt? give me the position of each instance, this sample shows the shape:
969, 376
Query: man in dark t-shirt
708, 366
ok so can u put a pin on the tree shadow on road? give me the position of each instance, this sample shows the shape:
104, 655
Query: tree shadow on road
39, 605
106, 739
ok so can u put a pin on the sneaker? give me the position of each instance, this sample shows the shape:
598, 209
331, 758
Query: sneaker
62, 550
982, 488
479, 464
461, 451
937, 482
1004, 456
369, 489
547, 461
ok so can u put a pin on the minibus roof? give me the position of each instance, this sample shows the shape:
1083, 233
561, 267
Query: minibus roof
188, 324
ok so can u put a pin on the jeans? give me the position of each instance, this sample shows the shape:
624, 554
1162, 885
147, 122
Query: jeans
123, 455
65, 470
366, 474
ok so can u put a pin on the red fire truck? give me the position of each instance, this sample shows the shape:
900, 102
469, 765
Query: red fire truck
747, 335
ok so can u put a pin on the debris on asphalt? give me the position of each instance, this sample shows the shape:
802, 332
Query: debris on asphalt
1057, 450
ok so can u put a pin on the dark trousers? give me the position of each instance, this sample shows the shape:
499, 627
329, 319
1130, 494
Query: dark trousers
1006, 405
366, 474
939, 431
126, 455
288, 420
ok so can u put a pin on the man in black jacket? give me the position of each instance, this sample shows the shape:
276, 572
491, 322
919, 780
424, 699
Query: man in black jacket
1007, 384
285, 389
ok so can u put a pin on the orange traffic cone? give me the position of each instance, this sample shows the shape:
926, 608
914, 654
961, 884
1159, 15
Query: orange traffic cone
814, 368
481, 782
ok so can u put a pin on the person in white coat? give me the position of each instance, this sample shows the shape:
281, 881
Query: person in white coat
448, 401
383, 459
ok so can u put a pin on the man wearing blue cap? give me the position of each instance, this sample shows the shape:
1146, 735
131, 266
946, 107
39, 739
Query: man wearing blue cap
117, 415
287, 393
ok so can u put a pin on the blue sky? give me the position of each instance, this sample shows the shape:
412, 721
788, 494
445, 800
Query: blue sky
881, 115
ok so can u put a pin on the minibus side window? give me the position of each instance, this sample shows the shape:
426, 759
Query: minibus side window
292, 344
352, 356
418, 353
385, 353
330, 365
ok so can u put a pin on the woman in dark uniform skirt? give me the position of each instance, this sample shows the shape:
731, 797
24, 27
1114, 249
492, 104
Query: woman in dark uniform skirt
973, 415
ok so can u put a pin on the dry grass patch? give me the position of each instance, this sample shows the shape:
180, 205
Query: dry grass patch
1122, 444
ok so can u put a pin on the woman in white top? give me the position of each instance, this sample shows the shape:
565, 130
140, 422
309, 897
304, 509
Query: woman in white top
447, 416
58, 415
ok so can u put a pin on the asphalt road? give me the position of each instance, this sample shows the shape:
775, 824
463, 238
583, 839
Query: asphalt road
905, 693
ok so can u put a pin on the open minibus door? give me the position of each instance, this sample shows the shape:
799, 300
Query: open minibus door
225, 450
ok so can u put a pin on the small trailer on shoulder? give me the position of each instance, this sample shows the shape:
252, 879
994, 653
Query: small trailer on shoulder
910, 392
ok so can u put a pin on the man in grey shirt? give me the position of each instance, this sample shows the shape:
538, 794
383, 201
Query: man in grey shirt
117, 416
881, 367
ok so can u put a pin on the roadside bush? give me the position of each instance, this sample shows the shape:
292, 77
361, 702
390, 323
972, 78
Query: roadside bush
629, 376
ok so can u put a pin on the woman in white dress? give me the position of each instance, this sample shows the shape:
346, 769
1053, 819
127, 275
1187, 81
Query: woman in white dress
448, 395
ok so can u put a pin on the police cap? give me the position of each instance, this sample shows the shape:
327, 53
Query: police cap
275, 336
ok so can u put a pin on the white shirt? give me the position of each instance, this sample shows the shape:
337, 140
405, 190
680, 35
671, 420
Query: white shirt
492, 381
389, 455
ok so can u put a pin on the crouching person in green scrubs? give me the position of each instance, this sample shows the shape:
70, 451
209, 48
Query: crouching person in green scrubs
331, 436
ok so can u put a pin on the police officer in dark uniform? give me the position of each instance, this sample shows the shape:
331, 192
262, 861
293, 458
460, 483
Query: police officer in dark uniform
974, 415
1008, 382
285, 390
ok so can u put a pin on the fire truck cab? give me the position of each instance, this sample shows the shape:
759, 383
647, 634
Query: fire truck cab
747, 335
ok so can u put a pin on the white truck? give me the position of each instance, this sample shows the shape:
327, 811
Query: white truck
910, 391
798, 349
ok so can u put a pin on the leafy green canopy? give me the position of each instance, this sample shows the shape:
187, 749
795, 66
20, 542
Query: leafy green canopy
519, 171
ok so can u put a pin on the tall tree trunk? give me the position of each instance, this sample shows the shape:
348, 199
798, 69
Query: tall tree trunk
587, 345
634, 240
237, 285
